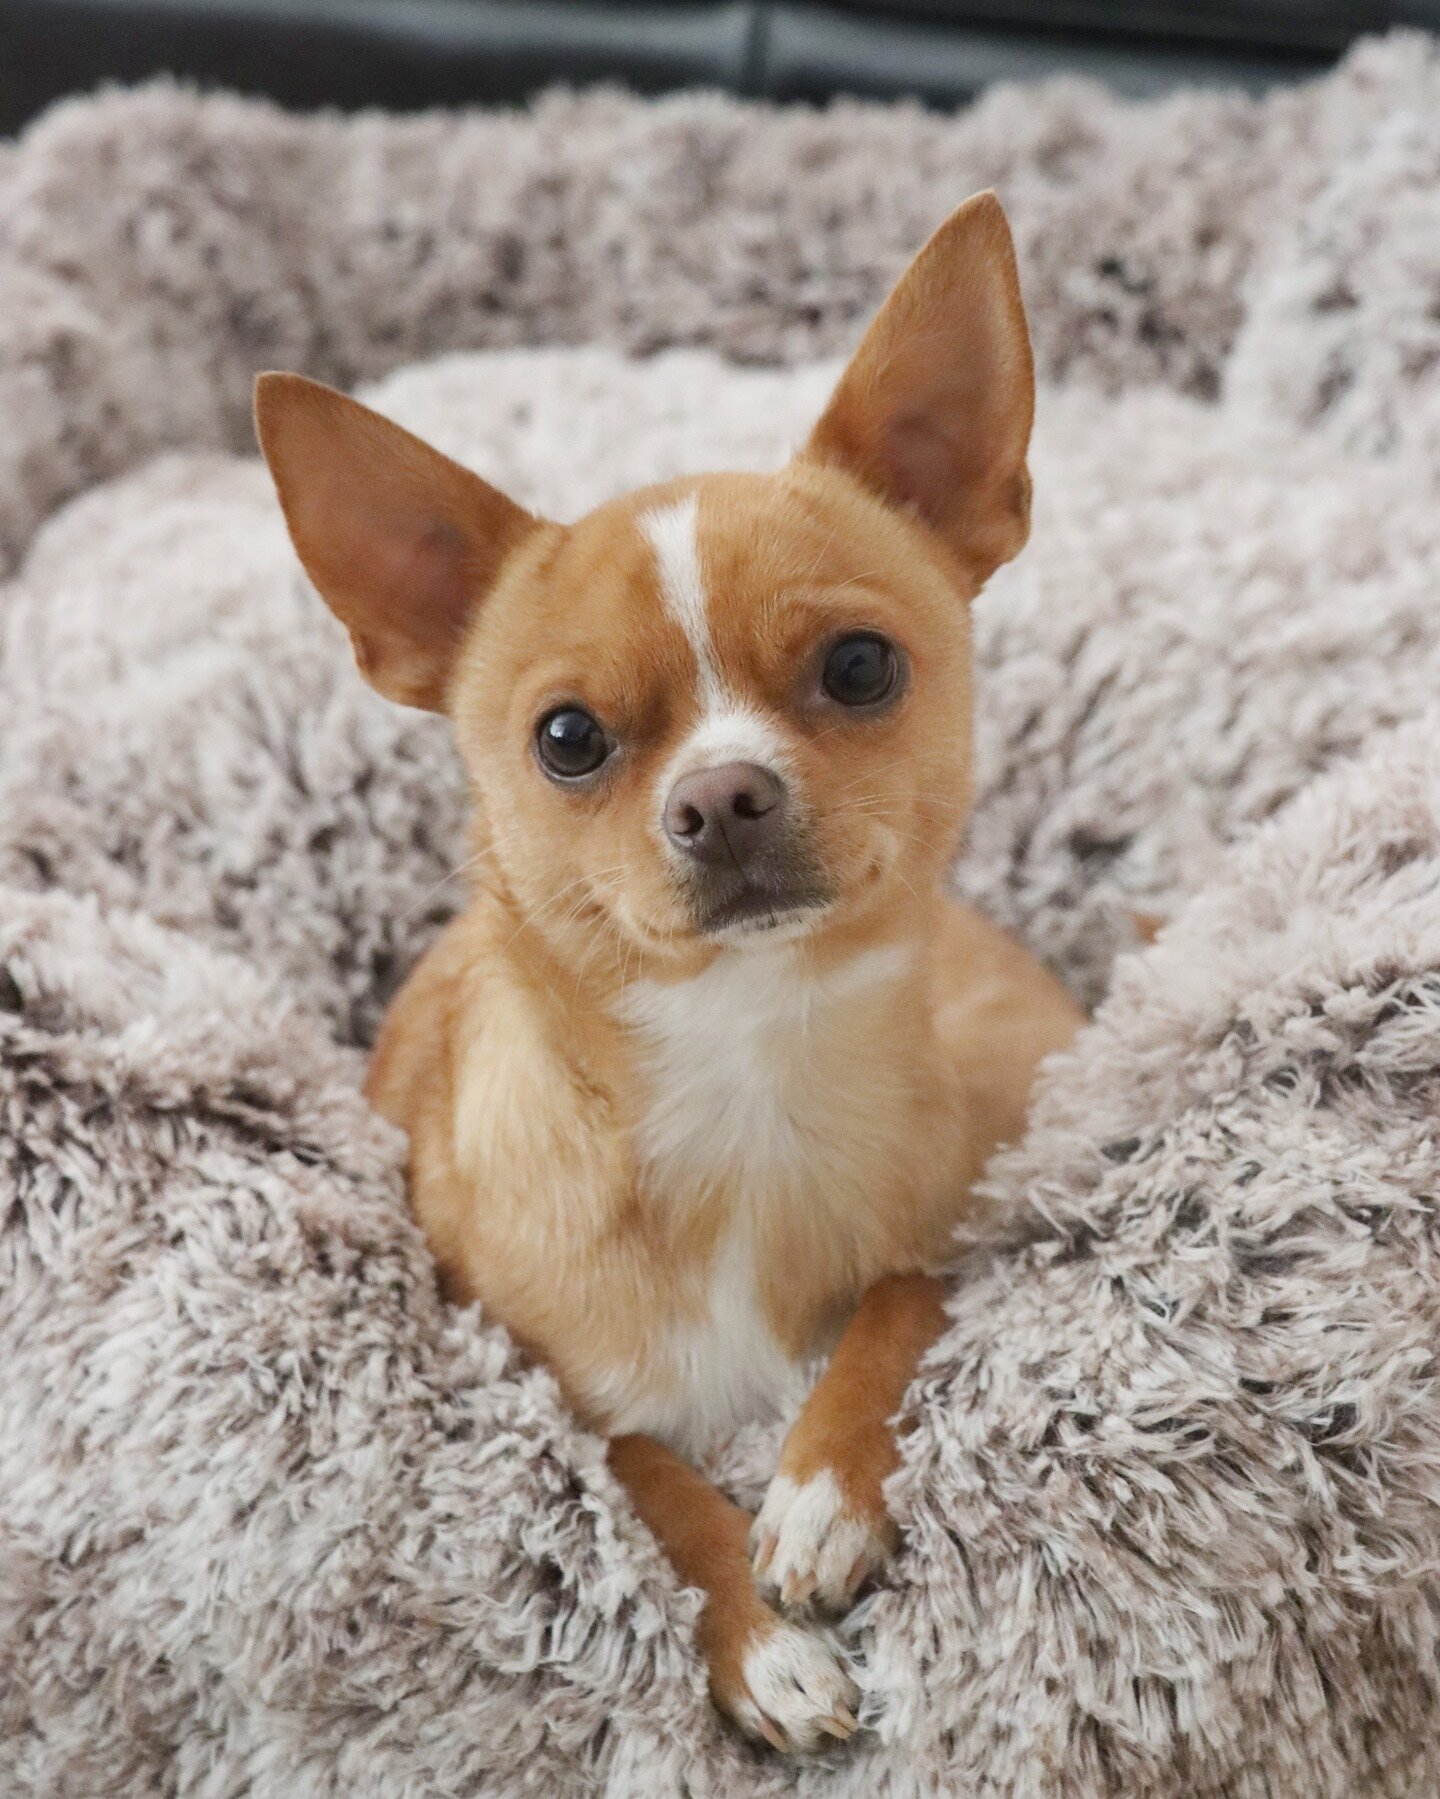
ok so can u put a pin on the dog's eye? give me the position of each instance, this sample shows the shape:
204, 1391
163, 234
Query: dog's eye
571, 743
861, 670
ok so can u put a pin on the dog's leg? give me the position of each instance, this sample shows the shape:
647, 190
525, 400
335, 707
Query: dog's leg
824, 1526
780, 1681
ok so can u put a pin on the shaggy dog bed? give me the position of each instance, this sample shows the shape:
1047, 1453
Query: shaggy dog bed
275, 1521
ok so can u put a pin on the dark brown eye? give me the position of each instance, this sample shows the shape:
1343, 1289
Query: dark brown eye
861, 670
570, 743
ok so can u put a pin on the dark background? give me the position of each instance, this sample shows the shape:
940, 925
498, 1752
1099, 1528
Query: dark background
414, 53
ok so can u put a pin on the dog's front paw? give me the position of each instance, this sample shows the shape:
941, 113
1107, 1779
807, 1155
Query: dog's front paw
794, 1689
814, 1541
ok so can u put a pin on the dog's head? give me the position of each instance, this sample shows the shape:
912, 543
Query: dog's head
726, 709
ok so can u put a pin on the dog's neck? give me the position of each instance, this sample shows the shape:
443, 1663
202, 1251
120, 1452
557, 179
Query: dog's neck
744, 1071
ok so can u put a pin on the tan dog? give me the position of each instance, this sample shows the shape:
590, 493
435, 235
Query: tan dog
701, 1080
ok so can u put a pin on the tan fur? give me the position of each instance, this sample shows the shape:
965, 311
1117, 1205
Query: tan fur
572, 1160
705, 1536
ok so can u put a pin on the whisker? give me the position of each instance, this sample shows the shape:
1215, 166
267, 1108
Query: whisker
444, 881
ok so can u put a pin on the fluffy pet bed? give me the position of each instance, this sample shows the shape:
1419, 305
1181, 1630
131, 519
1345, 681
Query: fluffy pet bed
273, 1521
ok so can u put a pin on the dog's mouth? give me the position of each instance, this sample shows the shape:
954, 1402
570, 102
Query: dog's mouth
762, 911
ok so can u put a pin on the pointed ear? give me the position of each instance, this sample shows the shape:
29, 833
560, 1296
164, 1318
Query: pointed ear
933, 412
401, 542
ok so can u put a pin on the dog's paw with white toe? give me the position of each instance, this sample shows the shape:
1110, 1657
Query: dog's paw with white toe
808, 1543
798, 1694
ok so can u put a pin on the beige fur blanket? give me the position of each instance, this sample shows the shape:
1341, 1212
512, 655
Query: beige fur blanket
274, 1522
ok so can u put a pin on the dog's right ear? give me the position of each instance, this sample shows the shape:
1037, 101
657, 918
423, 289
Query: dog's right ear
401, 542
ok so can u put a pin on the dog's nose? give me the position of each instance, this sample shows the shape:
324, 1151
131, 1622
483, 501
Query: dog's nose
725, 815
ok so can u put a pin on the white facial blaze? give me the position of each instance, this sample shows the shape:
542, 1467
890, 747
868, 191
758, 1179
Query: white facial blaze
674, 533
729, 730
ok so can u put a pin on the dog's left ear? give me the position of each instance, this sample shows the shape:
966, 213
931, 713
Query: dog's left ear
933, 412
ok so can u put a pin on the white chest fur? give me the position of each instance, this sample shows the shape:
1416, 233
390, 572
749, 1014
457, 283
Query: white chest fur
755, 1089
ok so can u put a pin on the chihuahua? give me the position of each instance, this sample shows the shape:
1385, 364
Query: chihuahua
700, 1082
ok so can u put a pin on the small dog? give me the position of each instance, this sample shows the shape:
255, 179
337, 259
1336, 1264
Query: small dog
701, 1080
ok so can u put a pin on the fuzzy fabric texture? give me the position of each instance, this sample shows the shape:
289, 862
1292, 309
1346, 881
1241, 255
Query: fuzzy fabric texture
276, 1521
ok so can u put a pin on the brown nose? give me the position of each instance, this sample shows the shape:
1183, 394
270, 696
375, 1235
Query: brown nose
720, 816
